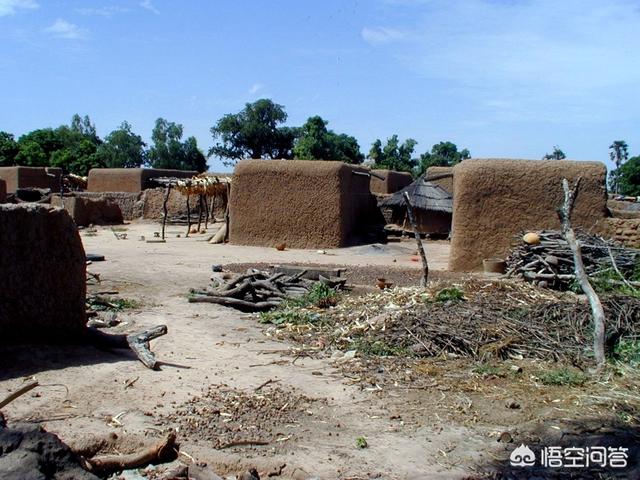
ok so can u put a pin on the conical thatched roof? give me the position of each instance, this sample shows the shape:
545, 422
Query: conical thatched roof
423, 195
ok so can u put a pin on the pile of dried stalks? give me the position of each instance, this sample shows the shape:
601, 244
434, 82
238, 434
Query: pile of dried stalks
493, 320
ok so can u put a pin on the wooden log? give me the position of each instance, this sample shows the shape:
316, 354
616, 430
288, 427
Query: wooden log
164, 208
238, 304
138, 343
188, 216
105, 465
18, 393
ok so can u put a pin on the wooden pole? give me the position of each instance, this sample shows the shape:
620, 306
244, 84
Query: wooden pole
206, 212
597, 312
412, 220
164, 208
188, 216
200, 211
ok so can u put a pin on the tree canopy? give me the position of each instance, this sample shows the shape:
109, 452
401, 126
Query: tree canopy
168, 151
122, 149
557, 154
443, 154
254, 132
394, 155
8, 149
316, 142
628, 177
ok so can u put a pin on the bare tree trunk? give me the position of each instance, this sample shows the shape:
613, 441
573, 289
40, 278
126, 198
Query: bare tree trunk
188, 216
597, 311
412, 220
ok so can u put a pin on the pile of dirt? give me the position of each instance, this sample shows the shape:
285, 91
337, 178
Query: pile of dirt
28, 451
225, 417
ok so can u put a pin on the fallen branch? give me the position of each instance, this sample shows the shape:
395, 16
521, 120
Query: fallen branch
165, 451
138, 343
18, 393
597, 312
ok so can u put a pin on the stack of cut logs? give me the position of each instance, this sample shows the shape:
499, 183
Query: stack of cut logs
258, 291
545, 258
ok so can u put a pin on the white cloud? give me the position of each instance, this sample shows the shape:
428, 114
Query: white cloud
148, 5
255, 88
382, 35
63, 29
102, 11
9, 7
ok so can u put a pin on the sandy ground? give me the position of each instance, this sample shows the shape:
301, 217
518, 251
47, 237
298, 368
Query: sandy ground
209, 345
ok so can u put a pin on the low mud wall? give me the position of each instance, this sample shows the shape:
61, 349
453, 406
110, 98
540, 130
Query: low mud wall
626, 231
446, 183
31, 177
87, 211
393, 181
132, 180
43, 267
495, 199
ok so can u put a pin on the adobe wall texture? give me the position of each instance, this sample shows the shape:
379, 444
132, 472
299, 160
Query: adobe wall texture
305, 204
87, 211
3, 191
130, 204
43, 269
446, 183
393, 181
131, 180
626, 231
31, 177
496, 199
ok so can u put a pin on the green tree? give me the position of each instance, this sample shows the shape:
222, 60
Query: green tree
557, 154
254, 132
443, 154
628, 177
168, 151
316, 142
618, 153
8, 149
122, 149
35, 148
393, 156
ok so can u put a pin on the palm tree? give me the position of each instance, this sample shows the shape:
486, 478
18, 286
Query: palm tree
619, 153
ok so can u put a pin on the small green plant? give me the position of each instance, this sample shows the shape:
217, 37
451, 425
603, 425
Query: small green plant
361, 442
98, 303
628, 351
450, 294
379, 348
563, 376
320, 295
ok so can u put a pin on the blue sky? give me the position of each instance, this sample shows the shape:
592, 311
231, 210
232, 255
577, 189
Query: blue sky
504, 78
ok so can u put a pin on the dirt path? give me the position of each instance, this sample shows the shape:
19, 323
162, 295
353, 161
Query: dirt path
208, 345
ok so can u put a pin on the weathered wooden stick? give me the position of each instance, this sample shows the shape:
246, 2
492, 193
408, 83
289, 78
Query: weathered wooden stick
597, 311
18, 393
188, 215
200, 211
105, 465
615, 267
206, 211
412, 219
165, 211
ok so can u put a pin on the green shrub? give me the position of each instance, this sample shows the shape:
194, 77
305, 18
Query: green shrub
563, 376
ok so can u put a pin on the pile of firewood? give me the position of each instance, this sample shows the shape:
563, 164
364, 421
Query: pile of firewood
258, 291
548, 262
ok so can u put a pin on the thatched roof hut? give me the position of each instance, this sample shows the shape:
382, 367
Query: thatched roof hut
423, 195
433, 206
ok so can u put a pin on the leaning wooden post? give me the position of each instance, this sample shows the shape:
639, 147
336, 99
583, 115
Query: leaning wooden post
188, 215
200, 211
165, 212
597, 312
412, 220
226, 214
206, 212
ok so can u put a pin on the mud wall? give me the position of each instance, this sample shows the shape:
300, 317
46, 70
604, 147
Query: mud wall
427, 222
153, 198
130, 204
31, 177
87, 211
131, 180
393, 181
43, 269
626, 231
446, 183
3, 191
305, 204
497, 198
